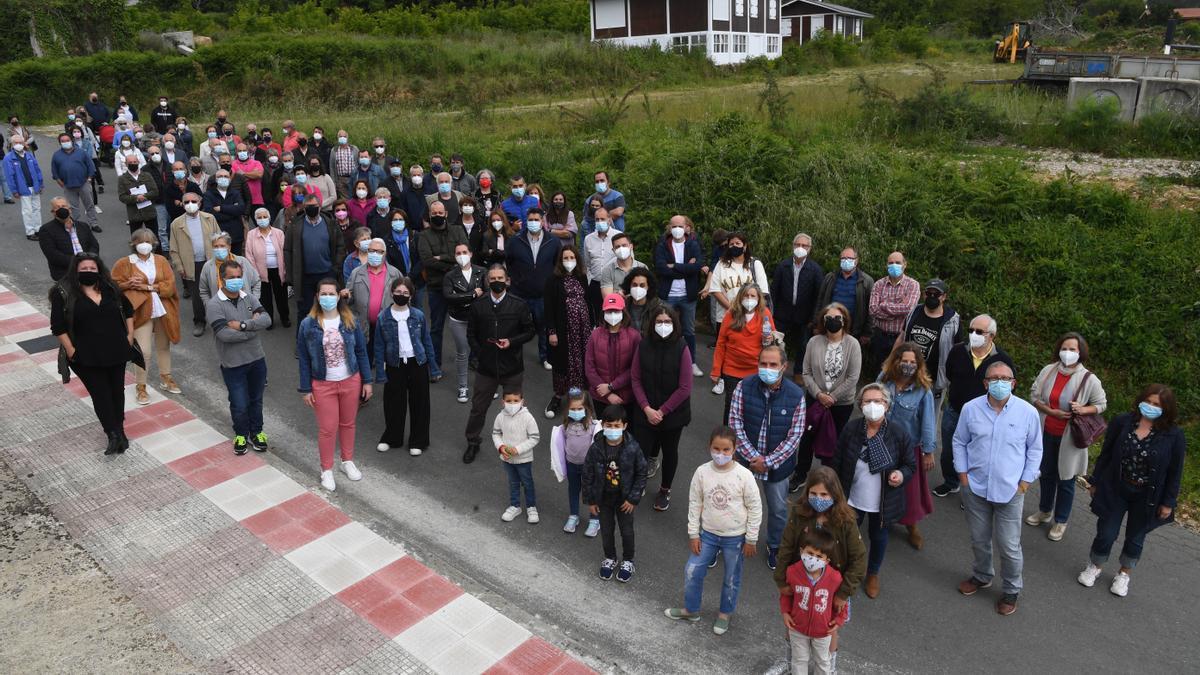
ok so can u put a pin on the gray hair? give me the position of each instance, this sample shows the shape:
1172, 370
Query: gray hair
805, 235
263, 209
991, 323
221, 236
383, 192
141, 235
875, 386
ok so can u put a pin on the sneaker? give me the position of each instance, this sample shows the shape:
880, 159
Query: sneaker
197, 330
99, 211
32, 237
652, 465
462, 395
795, 483
553, 407
1038, 517
167, 384
1120, 585
382, 447
143, 398
327, 481
531, 516
1007, 604
415, 452
719, 388
96, 228
714, 562
1089, 575
240, 446
971, 586
1057, 531
259, 441
696, 372
434, 379
593, 528
721, 625
510, 514
547, 366
680, 614
607, 567
772, 557
571, 525
626, 572
471, 451
351, 471
946, 489
662, 501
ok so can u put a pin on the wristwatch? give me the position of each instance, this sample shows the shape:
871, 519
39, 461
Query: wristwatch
242, 326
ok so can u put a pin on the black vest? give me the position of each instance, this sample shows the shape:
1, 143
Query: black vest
659, 363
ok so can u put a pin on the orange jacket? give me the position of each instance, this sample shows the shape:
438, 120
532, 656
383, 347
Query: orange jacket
736, 353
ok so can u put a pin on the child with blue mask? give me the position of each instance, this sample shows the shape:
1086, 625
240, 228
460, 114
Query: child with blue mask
614, 478
569, 445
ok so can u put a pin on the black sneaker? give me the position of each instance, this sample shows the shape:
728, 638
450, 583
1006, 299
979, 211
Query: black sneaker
946, 489
259, 441
96, 228
662, 501
626, 572
469, 455
240, 446
714, 562
795, 483
772, 557
553, 407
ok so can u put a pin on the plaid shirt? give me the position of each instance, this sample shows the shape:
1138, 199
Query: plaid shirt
892, 303
750, 451
345, 160
75, 246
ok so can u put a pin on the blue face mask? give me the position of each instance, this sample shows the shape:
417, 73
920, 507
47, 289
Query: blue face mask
602, 226
328, 302
382, 203
444, 188
221, 253
848, 264
577, 415
1150, 412
601, 186
235, 285
614, 434
1000, 390
894, 270
374, 259
769, 376
534, 226
397, 226
212, 134
396, 171
179, 175
820, 504
222, 182
342, 140
519, 193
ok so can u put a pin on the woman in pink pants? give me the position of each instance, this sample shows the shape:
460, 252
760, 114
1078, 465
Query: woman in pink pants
334, 376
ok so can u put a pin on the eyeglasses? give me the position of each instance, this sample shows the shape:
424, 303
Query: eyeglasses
979, 331
1002, 379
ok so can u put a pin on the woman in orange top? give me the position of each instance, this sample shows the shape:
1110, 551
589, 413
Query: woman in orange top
148, 283
743, 335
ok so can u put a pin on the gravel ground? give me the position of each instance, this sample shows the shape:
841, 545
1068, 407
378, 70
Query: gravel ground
59, 612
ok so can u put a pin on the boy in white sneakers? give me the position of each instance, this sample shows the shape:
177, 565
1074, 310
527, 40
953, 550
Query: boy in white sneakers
515, 433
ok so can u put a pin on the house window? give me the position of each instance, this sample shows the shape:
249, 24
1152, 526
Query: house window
841, 26
720, 43
739, 44
772, 9
753, 9
739, 7
685, 43
772, 45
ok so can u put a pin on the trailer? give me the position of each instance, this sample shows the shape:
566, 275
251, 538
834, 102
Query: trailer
1053, 67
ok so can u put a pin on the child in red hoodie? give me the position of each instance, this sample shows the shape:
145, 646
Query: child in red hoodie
807, 605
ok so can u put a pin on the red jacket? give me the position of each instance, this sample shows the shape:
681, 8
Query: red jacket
613, 369
811, 605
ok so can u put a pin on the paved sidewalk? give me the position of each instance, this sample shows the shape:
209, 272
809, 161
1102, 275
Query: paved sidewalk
244, 569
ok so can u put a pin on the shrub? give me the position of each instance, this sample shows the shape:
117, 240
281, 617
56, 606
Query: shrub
935, 112
1092, 125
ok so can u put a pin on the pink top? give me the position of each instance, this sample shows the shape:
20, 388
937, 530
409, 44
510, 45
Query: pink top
376, 278
360, 211
255, 184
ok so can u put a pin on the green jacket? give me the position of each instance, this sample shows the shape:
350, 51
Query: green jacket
849, 555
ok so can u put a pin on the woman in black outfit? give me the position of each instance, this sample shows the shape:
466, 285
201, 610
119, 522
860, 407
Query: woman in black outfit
662, 387
94, 325
569, 321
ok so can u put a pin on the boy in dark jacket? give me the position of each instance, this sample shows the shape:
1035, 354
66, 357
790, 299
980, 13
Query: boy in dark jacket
614, 478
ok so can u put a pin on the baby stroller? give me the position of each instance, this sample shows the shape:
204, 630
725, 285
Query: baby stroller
106, 134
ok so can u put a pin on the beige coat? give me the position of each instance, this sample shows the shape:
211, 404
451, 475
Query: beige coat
1072, 460
181, 243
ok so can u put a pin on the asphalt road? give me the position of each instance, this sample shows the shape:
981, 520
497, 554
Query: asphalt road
447, 513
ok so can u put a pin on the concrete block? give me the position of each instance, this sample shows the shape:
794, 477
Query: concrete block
1161, 94
1101, 88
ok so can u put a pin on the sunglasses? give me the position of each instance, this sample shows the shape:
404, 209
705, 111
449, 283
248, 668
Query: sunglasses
978, 331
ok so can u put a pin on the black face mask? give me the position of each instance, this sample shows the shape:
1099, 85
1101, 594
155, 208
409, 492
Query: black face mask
314, 170
267, 138
303, 142
833, 324
227, 167
932, 301
312, 210
735, 251
497, 286
133, 168
221, 120
89, 278
400, 300
437, 221
197, 170
63, 213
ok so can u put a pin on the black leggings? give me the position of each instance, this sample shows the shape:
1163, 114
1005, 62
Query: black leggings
106, 386
655, 440
610, 517
274, 295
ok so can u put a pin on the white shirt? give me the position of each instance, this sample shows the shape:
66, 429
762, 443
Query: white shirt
466, 274
404, 339
147, 267
336, 368
272, 256
867, 488
535, 243
678, 286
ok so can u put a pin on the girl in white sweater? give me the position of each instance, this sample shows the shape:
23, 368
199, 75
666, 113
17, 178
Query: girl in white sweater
515, 433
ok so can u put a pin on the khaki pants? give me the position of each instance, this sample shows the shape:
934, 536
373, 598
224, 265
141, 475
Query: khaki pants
806, 650
145, 334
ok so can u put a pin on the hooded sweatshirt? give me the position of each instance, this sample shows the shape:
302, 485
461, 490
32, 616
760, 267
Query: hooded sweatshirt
518, 430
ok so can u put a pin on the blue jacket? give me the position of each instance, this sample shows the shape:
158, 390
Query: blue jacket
517, 210
311, 353
778, 418
664, 254
912, 410
16, 177
373, 175
116, 142
387, 342
529, 276
73, 168
1167, 453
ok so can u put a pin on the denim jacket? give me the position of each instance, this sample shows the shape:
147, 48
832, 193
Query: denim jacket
387, 342
311, 352
912, 410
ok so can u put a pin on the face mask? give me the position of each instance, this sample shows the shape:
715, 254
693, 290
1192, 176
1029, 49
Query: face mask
519, 193
397, 226
497, 225
975, 340
379, 150
342, 140
312, 210
418, 181
664, 330
133, 168
364, 245
720, 458
226, 167
1068, 357
908, 369
382, 203
999, 390
895, 270
735, 251
63, 213
614, 434
400, 300
272, 161
576, 415
298, 198
396, 171
497, 286
485, 182
364, 162
156, 158
677, 233
462, 259
456, 168
20, 147
340, 214
468, 210
243, 155
89, 278
833, 324
602, 226
77, 136
302, 178
144, 248
266, 138
444, 188
512, 408
812, 563
235, 285
124, 144
318, 135
1149, 411
221, 119
328, 302
170, 145
212, 135
183, 127
139, 135
289, 165
601, 186
623, 252
222, 183
749, 304
437, 221
637, 293
362, 194
769, 376
67, 145
932, 301
374, 258
436, 167
263, 222
820, 504
71, 117
848, 264
191, 207
569, 266
613, 318
221, 253
873, 411
534, 226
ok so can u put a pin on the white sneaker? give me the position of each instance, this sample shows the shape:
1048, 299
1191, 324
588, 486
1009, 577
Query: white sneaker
415, 452
1089, 575
571, 525
351, 471
327, 481
1120, 585
462, 395
547, 366
99, 210
696, 372
1057, 531
719, 388
383, 447
510, 513
531, 515
1037, 518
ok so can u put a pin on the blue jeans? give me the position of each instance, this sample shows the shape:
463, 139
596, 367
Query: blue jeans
1056, 493
777, 510
437, 321
687, 319
574, 486
696, 569
246, 384
538, 309
4, 182
164, 227
878, 536
985, 519
520, 475
949, 423
1132, 500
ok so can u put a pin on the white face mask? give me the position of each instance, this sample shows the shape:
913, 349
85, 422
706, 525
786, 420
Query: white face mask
170, 145
144, 248
497, 225
623, 252
812, 563
1068, 357
637, 293
613, 318
677, 233
418, 180
463, 260
664, 329
569, 266
318, 135
873, 411
191, 208
512, 408
800, 252
976, 341
362, 194
749, 304
468, 210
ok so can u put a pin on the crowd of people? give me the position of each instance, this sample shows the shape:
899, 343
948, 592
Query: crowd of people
877, 380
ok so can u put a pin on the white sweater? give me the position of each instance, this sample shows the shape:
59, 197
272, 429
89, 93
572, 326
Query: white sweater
520, 431
724, 502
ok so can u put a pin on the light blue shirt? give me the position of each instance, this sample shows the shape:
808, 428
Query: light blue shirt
998, 449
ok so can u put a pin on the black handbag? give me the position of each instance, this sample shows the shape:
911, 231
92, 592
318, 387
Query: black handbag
136, 357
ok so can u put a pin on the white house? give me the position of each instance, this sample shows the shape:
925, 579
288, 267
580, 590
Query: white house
727, 31
804, 19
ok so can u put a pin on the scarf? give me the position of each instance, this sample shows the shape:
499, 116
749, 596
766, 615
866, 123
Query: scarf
401, 239
878, 458
1068, 391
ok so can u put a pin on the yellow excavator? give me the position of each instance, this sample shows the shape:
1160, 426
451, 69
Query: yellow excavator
1012, 48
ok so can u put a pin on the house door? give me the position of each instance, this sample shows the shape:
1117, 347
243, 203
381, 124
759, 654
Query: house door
806, 30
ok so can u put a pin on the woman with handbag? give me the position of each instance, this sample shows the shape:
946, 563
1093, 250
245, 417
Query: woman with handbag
93, 322
1070, 399
148, 283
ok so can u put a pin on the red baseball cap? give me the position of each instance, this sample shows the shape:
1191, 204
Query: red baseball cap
614, 301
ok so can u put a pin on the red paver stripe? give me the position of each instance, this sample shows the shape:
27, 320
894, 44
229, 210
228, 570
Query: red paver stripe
432, 593
48, 356
21, 324
8, 297
155, 417
399, 595
12, 356
394, 616
213, 466
288, 526
534, 656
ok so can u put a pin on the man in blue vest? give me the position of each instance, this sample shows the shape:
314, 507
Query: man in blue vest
767, 415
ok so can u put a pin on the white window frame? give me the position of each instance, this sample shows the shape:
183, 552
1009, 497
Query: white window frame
739, 44
753, 9
739, 7
839, 25
720, 43
772, 44
772, 9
